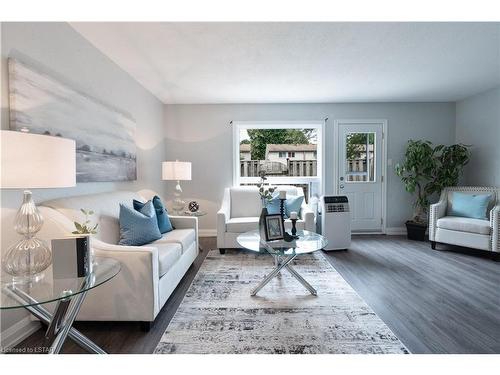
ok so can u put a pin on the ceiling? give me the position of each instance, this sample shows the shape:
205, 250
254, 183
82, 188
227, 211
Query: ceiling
303, 62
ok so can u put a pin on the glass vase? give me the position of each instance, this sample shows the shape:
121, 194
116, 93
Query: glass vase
29, 256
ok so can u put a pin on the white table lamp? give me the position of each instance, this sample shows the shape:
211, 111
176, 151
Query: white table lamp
33, 161
177, 171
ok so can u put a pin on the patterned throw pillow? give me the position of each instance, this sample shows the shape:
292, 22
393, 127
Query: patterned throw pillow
164, 223
138, 227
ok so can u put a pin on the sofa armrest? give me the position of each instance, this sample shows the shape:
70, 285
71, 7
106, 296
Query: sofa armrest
436, 211
223, 216
139, 275
495, 228
307, 215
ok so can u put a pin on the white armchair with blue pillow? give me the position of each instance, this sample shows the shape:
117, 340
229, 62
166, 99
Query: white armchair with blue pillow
467, 216
241, 208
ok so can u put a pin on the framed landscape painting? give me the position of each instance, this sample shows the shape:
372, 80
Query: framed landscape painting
42, 104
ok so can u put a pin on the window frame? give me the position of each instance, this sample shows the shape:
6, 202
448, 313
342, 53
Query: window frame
320, 129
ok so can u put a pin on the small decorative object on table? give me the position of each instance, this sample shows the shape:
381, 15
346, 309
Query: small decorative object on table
266, 194
86, 229
282, 197
71, 257
193, 206
293, 219
274, 228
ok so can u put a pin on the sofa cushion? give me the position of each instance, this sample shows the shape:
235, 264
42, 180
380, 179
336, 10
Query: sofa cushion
164, 223
168, 255
183, 237
242, 224
138, 227
469, 205
245, 201
293, 204
245, 224
464, 224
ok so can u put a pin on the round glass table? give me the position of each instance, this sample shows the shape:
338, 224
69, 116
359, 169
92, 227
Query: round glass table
283, 252
67, 293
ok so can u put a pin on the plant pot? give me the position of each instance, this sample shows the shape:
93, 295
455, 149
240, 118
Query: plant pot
416, 231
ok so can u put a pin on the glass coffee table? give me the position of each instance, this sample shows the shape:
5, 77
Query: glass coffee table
283, 253
68, 294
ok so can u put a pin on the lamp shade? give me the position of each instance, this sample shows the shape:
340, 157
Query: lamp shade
176, 170
31, 161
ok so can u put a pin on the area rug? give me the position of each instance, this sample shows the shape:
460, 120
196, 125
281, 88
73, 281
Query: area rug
218, 315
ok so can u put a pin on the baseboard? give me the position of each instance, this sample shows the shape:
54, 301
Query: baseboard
207, 232
18, 332
395, 231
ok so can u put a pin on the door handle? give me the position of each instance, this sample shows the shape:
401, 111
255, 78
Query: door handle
341, 186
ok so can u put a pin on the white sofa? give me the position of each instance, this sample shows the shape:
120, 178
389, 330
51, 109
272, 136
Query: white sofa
461, 231
149, 273
240, 212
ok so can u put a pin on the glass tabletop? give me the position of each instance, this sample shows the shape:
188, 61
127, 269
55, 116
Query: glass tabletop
307, 242
48, 289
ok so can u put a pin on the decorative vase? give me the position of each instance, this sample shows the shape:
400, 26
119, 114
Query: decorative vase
262, 223
26, 259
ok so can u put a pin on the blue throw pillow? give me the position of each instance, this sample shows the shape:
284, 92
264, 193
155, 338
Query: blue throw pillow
138, 227
164, 223
273, 206
293, 204
474, 206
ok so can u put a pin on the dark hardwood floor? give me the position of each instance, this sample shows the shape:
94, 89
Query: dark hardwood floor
434, 301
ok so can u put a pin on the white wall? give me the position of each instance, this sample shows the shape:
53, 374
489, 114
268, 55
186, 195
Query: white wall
63, 52
202, 134
478, 124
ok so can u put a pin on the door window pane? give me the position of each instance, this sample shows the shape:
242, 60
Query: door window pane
360, 157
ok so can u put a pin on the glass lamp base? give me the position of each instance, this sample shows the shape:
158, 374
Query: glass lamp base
29, 256
26, 259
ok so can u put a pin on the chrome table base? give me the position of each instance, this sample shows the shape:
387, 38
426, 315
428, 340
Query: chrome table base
60, 322
281, 262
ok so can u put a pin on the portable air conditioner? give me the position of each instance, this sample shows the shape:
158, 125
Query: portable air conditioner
335, 222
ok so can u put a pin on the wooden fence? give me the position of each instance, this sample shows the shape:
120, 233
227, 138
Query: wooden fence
299, 168
357, 170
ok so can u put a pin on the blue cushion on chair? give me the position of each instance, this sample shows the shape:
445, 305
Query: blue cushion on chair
293, 204
474, 206
273, 206
138, 227
164, 223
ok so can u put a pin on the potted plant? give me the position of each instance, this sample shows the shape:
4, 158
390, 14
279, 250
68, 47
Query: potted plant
266, 194
426, 170
86, 229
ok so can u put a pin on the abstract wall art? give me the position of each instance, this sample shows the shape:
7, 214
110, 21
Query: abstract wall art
43, 104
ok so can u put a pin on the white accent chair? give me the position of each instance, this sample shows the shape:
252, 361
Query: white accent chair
240, 212
149, 273
466, 232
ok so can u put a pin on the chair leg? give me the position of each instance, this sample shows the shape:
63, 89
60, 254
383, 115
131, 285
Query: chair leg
222, 251
433, 245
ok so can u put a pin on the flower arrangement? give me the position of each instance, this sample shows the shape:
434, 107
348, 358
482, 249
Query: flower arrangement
265, 191
85, 227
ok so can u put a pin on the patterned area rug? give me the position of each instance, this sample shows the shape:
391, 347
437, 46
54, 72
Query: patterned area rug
218, 315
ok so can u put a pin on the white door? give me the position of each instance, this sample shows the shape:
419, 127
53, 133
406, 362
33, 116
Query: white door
360, 173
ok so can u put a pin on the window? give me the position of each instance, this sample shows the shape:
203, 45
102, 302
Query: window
360, 157
289, 153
